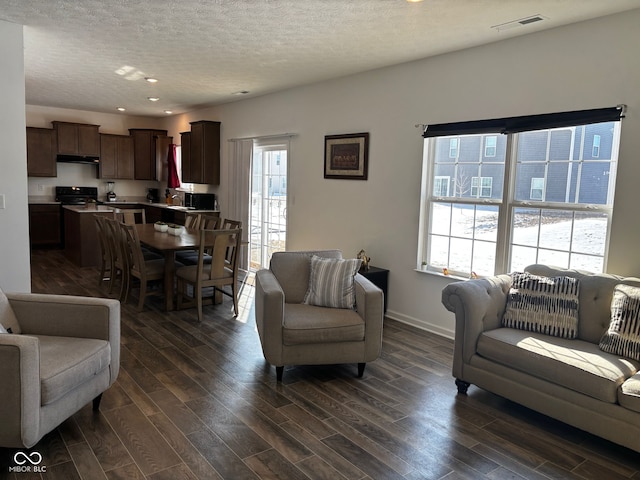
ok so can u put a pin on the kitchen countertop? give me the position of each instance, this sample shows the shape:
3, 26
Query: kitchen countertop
111, 206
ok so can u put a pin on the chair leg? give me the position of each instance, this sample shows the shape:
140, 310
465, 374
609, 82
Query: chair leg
279, 372
234, 292
361, 369
143, 294
462, 386
198, 295
96, 403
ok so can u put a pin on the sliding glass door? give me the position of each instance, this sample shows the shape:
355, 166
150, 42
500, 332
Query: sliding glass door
268, 209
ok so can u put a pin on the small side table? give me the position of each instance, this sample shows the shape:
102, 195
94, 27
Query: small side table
380, 278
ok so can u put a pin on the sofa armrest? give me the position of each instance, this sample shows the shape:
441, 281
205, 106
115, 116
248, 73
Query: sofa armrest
70, 316
478, 306
269, 304
20, 395
370, 306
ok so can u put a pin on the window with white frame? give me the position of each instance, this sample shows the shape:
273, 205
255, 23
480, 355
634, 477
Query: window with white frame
595, 149
453, 147
490, 144
481, 186
486, 223
537, 188
441, 186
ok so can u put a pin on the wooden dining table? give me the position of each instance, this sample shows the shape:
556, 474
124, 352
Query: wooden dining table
168, 245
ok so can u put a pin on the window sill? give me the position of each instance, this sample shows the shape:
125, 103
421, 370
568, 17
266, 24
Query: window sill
440, 274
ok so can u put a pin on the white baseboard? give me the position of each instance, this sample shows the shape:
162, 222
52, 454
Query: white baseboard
421, 324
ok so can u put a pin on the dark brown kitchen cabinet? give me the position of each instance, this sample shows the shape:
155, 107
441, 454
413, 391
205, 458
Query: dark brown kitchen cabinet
77, 138
45, 225
150, 149
41, 152
116, 156
203, 158
185, 148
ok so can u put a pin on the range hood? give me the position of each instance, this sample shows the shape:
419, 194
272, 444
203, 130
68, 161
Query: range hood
86, 159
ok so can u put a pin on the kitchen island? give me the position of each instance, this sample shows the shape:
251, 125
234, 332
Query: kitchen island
81, 244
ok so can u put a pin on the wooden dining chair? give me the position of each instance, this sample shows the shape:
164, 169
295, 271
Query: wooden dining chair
210, 221
217, 274
130, 216
106, 258
206, 221
119, 266
192, 220
144, 270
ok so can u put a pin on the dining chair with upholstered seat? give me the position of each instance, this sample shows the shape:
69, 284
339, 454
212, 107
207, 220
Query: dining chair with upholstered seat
217, 274
206, 221
144, 270
192, 220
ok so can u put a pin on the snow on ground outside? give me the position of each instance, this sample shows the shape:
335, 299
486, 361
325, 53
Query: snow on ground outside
589, 234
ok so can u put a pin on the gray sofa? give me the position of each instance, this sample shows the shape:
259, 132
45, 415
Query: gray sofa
570, 380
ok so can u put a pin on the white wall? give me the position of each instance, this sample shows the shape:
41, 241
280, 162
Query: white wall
14, 243
587, 65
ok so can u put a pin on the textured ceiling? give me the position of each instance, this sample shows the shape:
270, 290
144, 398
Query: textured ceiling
94, 54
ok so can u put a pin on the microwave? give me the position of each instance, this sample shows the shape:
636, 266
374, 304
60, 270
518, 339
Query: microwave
200, 201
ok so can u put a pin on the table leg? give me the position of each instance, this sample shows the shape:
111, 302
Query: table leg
169, 279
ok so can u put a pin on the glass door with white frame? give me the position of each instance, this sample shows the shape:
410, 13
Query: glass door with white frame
268, 210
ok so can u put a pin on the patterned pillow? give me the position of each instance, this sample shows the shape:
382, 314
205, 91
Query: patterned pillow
331, 282
623, 336
546, 305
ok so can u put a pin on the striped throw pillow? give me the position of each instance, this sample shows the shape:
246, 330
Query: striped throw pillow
546, 305
331, 282
623, 336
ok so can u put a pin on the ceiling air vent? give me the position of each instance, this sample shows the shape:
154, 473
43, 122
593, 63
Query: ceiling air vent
519, 23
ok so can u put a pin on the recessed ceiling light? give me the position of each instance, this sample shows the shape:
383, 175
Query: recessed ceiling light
241, 92
121, 109
151, 79
414, 1
168, 112
153, 99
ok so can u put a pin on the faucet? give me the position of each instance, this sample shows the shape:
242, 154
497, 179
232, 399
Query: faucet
177, 200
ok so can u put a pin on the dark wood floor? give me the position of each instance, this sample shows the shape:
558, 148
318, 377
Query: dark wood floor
197, 401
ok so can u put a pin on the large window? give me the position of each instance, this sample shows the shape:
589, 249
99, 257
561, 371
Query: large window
541, 196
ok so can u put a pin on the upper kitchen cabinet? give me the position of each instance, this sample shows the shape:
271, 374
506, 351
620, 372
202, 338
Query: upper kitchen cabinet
116, 157
41, 152
150, 149
77, 139
202, 163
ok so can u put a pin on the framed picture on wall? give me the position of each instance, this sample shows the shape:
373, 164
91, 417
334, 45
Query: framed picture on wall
346, 156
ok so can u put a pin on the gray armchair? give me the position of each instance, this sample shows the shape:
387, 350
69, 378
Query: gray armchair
65, 351
293, 333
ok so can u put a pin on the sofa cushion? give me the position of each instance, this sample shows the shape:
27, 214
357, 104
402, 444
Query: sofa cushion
304, 324
292, 271
629, 393
7, 317
596, 292
575, 364
66, 362
543, 304
331, 282
623, 335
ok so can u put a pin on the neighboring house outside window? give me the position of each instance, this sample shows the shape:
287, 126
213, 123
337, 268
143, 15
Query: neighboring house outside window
554, 208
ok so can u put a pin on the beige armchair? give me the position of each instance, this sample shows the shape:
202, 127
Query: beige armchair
294, 333
63, 353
